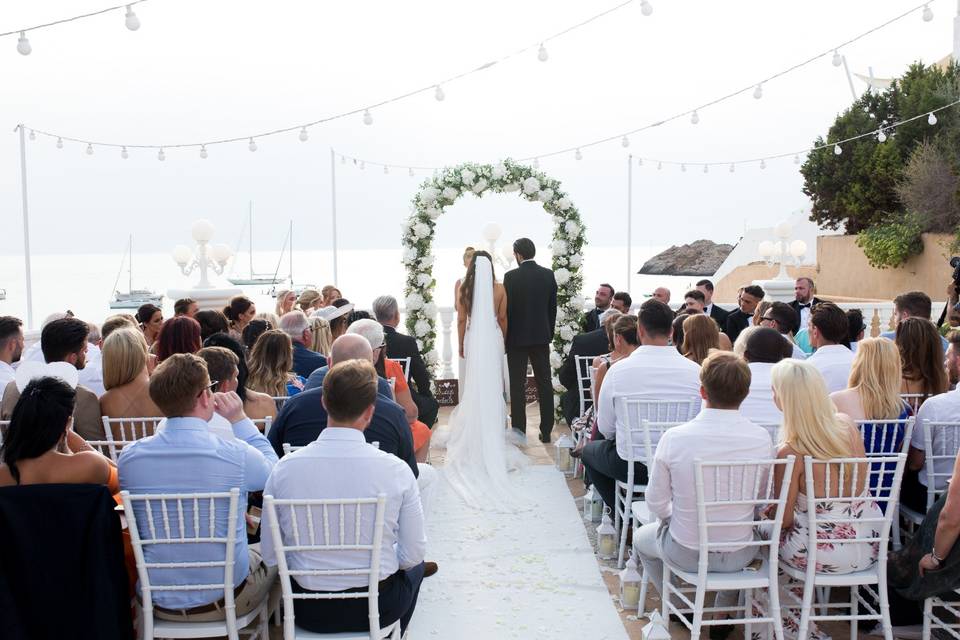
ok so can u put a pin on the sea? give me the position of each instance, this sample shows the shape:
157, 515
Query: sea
84, 283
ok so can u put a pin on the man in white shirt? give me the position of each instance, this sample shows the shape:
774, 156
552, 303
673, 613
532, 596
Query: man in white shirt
340, 464
944, 407
829, 330
91, 376
655, 370
11, 348
719, 433
765, 348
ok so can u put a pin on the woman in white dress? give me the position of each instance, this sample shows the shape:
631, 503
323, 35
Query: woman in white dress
478, 456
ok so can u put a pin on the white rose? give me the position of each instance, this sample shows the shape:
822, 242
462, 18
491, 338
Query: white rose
531, 185
562, 276
433, 212
421, 328
563, 204
546, 195
421, 229
432, 358
430, 310
467, 177
424, 279
555, 359
576, 260
428, 260
559, 247
409, 255
414, 301
572, 228
419, 345
429, 195
449, 193
510, 188
480, 186
498, 172
566, 333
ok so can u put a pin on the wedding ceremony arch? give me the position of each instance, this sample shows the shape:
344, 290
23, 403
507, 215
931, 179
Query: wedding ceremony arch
441, 191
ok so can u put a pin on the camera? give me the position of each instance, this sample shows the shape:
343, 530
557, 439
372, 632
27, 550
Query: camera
955, 263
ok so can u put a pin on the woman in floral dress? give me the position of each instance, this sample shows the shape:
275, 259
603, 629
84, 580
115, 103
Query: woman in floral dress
812, 428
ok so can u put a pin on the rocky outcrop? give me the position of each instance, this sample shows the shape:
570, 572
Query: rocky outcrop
700, 258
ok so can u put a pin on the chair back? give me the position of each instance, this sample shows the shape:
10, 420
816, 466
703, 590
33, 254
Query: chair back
119, 432
279, 401
109, 448
941, 442
405, 365
315, 534
736, 494
642, 420
846, 516
165, 529
882, 439
290, 448
585, 378
264, 424
914, 399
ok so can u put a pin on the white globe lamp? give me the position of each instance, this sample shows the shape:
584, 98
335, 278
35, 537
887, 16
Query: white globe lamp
492, 232
182, 254
202, 231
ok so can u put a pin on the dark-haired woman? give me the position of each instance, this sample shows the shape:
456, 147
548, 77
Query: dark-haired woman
178, 335
211, 322
239, 313
150, 319
254, 329
256, 405
465, 299
41, 448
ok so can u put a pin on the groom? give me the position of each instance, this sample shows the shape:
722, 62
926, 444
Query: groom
531, 317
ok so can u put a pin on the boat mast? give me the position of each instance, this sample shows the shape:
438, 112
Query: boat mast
130, 264
250, 216
291, 253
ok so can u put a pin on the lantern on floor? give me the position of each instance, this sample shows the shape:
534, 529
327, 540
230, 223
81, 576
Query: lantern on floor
655, 629
592, 505
630, 582
564, 459
607, 537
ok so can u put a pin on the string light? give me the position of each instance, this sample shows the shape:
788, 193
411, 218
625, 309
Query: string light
363, 165
161, 156
367, 118
927, 13
837, 60
438, 94
706, 168
542, 54
758, 92
124, 154
536, 163
683, 168
304, 136
659, 166
89, 149
796, 159
732, 167
931, 120
23, 45
33, 136
343, 159
253, 145
646, 8
881, 136
131, 20
639, 162
203, 152
695, 117
837, 150
410, 172
578, 155
386, 169
624, 141
59, 143
763, 164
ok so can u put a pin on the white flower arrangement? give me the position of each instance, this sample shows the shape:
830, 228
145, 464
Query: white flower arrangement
441, 190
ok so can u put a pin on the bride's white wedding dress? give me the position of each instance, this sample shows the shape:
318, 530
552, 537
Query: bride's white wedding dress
479, 456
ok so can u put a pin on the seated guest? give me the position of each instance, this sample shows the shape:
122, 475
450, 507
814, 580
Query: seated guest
695, 300
91, 376
330, 295
856, 328
338, 315
150, 319
271, 364
828, 335
765, 348
285, 300
211, 322
874, 387
269, 317
782, 317
944, 407
758, 312
602, 301
676, 330
239, 313
387, 312
11, 348
125, 376
178, 335
303, 418
622, 332
305, 361
740, 346
739, 319
811, 427
256, 405
186, 457
322, 339
700, 335
340, 464
186, 307
222, 367
256, 328
40, 447
592, 343
921, 358
622, 302
714, 311
719, 433
655, 370
309, 301
913, 304
65, 340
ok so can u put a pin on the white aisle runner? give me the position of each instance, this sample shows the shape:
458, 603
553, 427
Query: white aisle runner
529, 575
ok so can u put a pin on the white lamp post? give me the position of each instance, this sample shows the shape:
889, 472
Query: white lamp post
781, 251
207, 257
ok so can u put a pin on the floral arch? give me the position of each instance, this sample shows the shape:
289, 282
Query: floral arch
442, 190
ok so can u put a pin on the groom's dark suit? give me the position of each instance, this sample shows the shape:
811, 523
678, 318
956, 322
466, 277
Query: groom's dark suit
531, 318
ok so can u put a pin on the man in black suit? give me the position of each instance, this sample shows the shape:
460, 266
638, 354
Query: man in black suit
602, 300
709, 308
387, 312
591, 343
804, 300
740, 319
531, 320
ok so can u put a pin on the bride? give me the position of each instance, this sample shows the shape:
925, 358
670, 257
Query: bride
478, 456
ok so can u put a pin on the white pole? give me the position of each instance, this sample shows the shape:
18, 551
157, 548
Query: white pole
629, 220
26, 225
333, 210
849, 78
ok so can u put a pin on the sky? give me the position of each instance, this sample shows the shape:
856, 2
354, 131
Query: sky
198, 71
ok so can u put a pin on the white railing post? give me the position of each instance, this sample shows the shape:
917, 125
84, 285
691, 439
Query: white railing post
446, 355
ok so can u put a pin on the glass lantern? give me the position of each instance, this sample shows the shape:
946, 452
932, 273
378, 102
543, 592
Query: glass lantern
592, 505
564, 459
630, 582
607, 537
655, 629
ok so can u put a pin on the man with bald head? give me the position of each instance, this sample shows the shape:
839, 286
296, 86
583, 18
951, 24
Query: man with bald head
303, 417
662, 294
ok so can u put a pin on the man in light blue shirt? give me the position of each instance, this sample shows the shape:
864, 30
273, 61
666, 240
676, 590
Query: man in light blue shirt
912, 304
186, 457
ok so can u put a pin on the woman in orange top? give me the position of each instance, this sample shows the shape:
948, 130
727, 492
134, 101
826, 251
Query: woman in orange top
393, 370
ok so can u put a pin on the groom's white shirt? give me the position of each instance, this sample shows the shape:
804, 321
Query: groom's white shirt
657, 372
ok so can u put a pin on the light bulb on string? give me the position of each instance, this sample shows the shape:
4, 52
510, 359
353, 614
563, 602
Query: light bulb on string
881, 136
410, 172
683, 168
732, 167
253, 145
694, 117
23, 45
161, 156
131, 19
639, 162
124, 153
367, 118
931, 120
758, 92
578, 155
386, 169
203, 152
763, 164
927, 13
796, 159
706, 168
624, 142
646, 8
837, 150
363, 165
33, 136
89, 149
837, 60
343, 159
439, 94
659, 166
59, 143
304, 136
542, 54
536, 163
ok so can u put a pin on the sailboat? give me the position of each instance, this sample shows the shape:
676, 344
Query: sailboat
255, 278
3, 294
132, 298
297, 289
